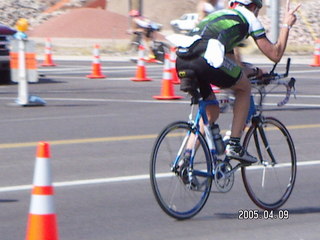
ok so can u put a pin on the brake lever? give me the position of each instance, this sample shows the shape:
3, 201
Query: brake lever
291, 84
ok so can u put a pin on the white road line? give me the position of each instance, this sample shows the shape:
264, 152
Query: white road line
108, 100
105, 67
80, 182
84, 68
298, 95
169, 101
114, 179
293, 105
101, 79
153, 101
304, 71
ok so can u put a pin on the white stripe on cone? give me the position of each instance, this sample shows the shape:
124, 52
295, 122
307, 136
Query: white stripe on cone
42, 173
42, 205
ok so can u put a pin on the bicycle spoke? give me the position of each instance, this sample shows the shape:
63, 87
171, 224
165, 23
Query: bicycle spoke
263, 177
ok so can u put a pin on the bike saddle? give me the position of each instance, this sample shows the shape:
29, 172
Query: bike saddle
189, 84
188, 80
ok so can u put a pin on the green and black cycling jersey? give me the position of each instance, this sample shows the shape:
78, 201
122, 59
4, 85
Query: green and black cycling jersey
230, 27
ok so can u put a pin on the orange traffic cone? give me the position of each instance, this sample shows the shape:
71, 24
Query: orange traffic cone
167, 89
173, 58
141, 74
48, 62
316, 62
42, 221
96, 65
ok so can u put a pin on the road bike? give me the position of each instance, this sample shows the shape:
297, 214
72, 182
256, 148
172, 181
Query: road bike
182, 190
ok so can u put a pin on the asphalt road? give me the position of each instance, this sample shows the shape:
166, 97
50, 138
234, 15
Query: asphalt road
101, 132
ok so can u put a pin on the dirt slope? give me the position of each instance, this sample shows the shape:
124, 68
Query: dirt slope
84, 23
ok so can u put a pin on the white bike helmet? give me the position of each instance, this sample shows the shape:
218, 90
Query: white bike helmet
258, 3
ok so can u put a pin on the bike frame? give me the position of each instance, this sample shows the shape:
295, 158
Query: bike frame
201, 114
254, 118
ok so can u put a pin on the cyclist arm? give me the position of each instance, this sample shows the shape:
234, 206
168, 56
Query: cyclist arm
143, 23
275, 51
248, 69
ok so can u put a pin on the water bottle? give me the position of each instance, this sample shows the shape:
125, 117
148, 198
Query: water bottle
217, 139
226, 137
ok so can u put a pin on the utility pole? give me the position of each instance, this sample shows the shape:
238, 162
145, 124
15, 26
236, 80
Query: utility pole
136, 4
274, 14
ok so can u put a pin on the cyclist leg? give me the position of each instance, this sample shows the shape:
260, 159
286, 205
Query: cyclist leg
148, 36
230, 75
242, 91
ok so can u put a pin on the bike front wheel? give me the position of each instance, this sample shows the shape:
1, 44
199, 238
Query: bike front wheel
270, 181
181, 190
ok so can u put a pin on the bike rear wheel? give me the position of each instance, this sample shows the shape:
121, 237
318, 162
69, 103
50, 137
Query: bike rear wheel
182, 191
270, 181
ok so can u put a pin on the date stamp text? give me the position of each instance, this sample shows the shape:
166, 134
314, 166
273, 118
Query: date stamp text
255, 214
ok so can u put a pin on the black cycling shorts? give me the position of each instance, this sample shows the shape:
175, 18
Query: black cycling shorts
223, 77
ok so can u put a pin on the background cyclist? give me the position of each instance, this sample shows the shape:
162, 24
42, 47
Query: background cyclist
147, 27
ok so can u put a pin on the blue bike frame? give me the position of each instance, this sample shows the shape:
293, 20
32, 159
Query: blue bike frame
201, 114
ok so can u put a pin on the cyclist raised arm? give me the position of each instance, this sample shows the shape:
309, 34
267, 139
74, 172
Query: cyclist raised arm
210, 60
275, 51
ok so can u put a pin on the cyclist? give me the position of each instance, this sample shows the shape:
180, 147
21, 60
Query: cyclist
210, 60
147, 27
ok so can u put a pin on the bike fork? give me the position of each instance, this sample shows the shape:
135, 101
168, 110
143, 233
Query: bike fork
258, 123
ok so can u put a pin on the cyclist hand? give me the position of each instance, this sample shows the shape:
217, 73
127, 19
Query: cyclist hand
259, 72
255, 72
290, 18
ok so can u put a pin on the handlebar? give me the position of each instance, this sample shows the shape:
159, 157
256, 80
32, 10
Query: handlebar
277, 79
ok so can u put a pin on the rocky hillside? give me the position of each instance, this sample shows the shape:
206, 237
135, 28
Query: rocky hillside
304, 33
307, 28
33, 10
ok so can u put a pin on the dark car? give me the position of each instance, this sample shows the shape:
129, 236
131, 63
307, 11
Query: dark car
6, 33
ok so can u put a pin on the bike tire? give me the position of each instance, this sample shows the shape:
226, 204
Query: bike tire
270, 185
173, 194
